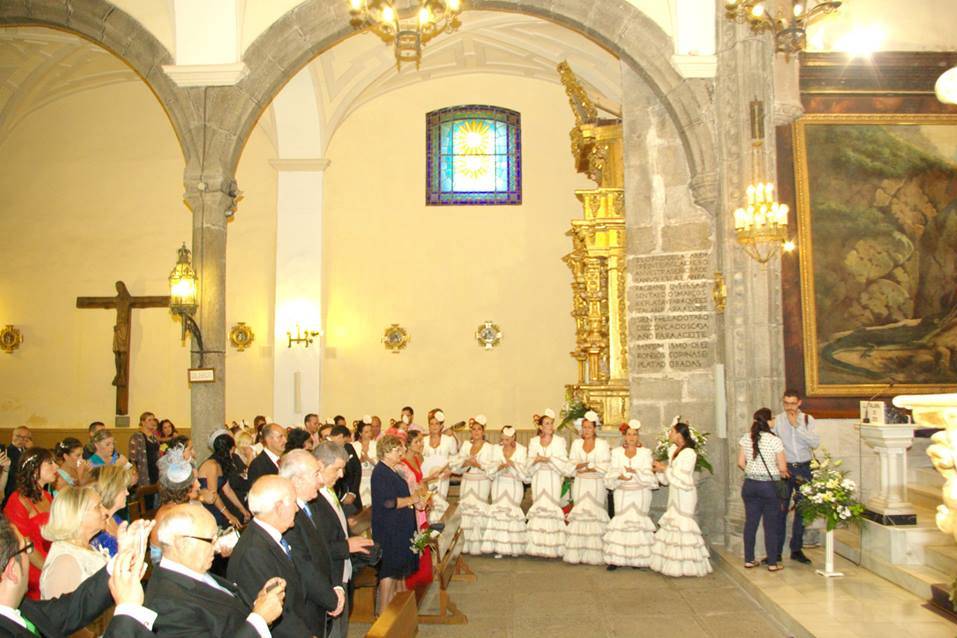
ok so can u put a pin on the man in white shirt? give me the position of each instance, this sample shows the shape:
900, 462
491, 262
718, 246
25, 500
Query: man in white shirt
798, 433
190, 599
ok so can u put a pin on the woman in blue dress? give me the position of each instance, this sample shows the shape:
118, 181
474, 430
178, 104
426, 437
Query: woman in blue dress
216, 492
393, 519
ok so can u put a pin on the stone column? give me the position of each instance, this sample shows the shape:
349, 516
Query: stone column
212, 201
891, 442
753, 342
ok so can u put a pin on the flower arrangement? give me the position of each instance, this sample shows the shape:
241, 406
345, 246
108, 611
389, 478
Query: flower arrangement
829, 495
700, 441
421, 540
571, 411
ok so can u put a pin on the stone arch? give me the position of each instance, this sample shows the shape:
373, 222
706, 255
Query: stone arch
109, 27
301, 34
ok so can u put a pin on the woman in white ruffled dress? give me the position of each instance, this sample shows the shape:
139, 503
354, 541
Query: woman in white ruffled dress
443, 447
587, 460
545, 467
473, 462
364, 445
679, 548
631, 533
505, 528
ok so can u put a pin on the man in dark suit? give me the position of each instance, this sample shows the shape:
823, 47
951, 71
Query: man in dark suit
267, 462
60, 617
21, 440
347, 487
189, 600
262, 553
328, 513
309, 549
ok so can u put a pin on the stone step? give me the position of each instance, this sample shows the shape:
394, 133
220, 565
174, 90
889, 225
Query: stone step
924, 496
942, 558
926, 476
917, 579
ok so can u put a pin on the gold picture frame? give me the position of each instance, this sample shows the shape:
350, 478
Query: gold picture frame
241, 336
865, 344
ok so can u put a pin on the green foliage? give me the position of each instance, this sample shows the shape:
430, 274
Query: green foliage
702, 463
570, 413
871, 150
829, 495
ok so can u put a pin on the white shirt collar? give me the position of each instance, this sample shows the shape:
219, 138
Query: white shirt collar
183, 570
272, 531
272, 457
12, 614
302, 504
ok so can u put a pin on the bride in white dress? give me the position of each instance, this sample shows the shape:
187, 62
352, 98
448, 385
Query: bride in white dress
505, 528
546, 466
443, 447
630, 534
679, 548
587, 460
473, 462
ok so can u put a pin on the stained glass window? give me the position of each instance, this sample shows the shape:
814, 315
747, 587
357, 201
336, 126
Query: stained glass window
473, 156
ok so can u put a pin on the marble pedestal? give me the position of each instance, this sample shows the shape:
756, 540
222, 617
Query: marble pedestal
889, 506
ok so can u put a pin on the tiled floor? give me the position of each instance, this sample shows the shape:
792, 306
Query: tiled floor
530, 598
858, 604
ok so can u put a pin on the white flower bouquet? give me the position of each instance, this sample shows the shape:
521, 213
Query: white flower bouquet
829, 495
700, 442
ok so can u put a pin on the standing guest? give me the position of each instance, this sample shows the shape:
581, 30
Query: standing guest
311, 424
408, 418
412, 460
192, 601
339, 420
92, 429
263, 554
798, 432
376, 427
144, 452
547, 462
110, 482
243, 456
298, 439
761, 456
28, 508
505, 533
474, 461
73, 470
364, 445
104, 452
216, 492
76, 516
21, 439
267, 462
393, 520
310, 551
347, 487
165, 431
631, 533
444, 447
588, 460
679, 548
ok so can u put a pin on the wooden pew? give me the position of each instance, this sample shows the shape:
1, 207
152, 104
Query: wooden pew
399, 620
448, 565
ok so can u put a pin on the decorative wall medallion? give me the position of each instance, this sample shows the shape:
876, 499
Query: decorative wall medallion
241, 336
488, 335
396, 338
10, 338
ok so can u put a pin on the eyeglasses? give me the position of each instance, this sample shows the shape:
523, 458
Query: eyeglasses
26, 549
201, 538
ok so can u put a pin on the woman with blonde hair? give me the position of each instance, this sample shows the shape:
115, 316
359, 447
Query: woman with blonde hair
110, 483
76, 516
631, 533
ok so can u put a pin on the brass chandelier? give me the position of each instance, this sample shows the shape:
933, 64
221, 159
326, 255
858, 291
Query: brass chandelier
790, 31
761, 226
407, 32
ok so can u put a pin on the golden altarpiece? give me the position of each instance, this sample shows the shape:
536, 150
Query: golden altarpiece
597, 260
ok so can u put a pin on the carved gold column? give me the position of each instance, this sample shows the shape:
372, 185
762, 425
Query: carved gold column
597, 260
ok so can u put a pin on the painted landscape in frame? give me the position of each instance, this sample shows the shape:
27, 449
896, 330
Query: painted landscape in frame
877, 226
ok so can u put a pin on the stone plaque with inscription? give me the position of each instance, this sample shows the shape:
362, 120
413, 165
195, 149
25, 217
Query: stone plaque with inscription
691, 355
639, 328
655, 268
647, 357
699, 266
689, 297
684, 327
648, 298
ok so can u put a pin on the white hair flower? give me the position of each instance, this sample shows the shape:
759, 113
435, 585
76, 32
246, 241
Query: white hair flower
481, 419
439, 416
550, 413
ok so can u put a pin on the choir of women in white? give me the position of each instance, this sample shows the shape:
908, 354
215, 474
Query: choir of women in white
494, 476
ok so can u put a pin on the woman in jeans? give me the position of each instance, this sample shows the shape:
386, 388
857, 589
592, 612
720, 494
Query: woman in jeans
761, 456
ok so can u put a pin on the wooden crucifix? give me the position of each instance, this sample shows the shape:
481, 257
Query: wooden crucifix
123, 303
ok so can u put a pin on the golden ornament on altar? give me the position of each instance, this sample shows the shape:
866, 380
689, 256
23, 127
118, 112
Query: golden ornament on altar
10, 338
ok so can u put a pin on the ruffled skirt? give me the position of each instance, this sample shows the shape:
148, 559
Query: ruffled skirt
585, 532
629, 539
545, 531
505, 530
439, 506
474, 510
679, 548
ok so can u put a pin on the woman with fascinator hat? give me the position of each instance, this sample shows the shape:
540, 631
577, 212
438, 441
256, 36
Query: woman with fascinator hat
587, 462
443, 447
631, 533
679, 548
505, 527
546, 464
473, 462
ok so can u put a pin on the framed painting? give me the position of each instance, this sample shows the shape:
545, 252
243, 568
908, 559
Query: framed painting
877, 228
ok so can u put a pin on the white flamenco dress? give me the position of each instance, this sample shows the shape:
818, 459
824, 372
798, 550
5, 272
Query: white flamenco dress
679, 548
505, 531
546, 520
365, 484
444, 452
589, 516
474, 493
631, 533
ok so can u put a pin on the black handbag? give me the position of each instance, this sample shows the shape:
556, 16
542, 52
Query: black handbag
780, 485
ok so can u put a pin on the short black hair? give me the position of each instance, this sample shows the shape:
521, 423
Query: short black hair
339, 418
343, 430
409, 408
95, 425
791, 392
306, 418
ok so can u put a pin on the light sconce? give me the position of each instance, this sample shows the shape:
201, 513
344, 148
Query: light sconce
790, 31
761, 226
183, 286
305, 338
946, 86
409, 32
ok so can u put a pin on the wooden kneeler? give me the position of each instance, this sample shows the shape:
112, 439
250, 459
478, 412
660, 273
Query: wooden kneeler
399, 620
449, 566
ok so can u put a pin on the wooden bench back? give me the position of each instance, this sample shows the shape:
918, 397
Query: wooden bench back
400, 619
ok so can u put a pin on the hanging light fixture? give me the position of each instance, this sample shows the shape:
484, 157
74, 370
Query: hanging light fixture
761, 227
183, 298
407, 32
790, 31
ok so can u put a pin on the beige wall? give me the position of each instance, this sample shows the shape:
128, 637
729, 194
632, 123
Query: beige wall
440, 271
92, 192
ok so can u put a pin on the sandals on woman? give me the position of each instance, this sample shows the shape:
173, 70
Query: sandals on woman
775, 568
751, 564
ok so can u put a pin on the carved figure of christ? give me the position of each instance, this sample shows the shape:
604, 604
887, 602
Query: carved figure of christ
123, 303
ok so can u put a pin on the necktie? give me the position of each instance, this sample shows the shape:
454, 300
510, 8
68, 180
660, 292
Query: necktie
308, 513
335, 499
285, 547
30, 626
